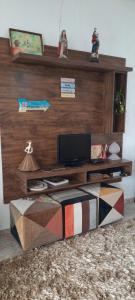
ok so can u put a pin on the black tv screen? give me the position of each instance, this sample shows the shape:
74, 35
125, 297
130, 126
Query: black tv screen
74, 148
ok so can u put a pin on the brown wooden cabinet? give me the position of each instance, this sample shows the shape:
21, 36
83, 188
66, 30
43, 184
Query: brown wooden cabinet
92, 110
77, 175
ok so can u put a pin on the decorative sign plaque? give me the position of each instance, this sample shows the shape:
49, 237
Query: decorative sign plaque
67, 87
26, 105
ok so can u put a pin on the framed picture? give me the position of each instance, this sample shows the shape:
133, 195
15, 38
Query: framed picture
25, 42
96, 151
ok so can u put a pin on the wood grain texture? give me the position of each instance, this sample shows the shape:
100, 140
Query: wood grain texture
68, 63
90, 111
77, 175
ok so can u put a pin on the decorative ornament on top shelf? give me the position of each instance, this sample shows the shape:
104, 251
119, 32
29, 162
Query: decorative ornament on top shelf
29, 163
95, 46
114, 149
63, 45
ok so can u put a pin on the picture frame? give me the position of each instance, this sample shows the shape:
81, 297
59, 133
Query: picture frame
96, 151
25, 42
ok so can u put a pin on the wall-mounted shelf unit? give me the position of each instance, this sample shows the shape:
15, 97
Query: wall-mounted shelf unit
92, 110
77, 175
67, 63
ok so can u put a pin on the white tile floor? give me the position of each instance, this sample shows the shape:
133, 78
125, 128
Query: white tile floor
10, 248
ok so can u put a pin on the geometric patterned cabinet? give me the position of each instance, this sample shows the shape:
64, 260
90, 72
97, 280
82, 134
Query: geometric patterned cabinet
43, 220
110, 202
79, 211
36, 222
111, 205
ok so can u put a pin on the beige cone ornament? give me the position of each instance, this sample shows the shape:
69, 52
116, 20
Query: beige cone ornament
29, 163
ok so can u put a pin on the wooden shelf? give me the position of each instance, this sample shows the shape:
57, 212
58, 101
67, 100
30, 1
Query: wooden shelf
66, 63
71, 185
77, 175
63, 171
107, 180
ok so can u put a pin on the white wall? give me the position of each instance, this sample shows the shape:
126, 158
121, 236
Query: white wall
115, 20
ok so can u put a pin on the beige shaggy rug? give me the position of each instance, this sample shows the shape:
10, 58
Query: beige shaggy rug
98, 265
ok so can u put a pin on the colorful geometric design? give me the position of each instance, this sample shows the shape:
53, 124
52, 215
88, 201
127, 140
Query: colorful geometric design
104, 209
111, 205
69, 220
119, 205
93, 189
111, 202
36, 222
79, 211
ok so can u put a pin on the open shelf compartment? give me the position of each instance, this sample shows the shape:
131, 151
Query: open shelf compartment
120, 86
77, 175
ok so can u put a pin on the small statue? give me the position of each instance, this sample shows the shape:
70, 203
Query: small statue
29, 163
29, 148
104, 151
63, 45
95, 46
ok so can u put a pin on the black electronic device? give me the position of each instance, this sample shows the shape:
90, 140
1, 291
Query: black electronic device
97, 160
74, 149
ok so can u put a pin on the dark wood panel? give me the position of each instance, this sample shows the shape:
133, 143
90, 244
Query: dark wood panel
80, 55
89, 103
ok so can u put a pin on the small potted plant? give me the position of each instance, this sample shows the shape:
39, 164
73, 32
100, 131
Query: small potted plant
119, 111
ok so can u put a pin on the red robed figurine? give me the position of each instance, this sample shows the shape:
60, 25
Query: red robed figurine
95, 45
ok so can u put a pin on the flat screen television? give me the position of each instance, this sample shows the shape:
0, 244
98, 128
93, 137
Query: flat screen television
74, 149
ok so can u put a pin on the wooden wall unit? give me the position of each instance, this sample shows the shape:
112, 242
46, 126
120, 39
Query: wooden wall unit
77, 175
39, 78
